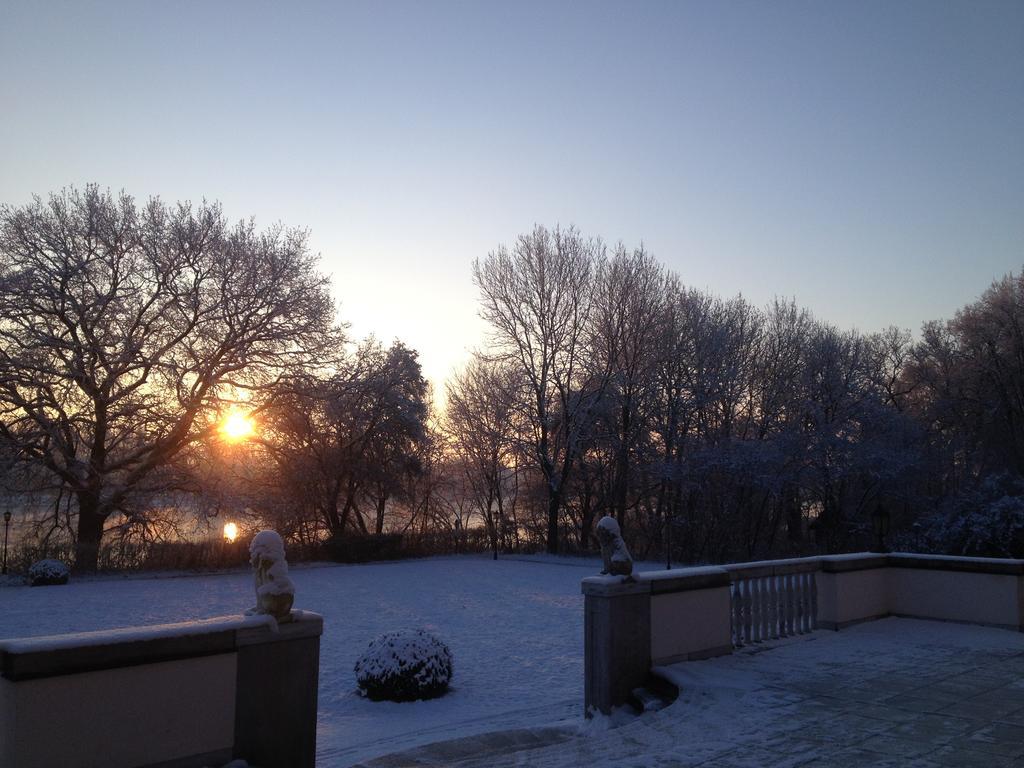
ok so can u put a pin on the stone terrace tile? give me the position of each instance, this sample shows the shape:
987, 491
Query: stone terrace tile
959, 757
995, 738
1017, 718
895, 692
987, 710
756, 757
860, 758
934, 728
893, 745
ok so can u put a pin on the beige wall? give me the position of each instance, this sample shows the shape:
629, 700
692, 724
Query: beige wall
852, 596
690, 625
119, 718
977, 598
981, 598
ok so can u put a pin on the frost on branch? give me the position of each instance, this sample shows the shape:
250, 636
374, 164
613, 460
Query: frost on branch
404, 666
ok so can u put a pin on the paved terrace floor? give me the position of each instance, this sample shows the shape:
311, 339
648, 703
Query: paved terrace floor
896, 692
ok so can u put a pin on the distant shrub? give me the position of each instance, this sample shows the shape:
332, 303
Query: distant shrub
404, 666
363, 549
985, 521
47, 572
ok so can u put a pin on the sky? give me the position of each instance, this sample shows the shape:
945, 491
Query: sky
865, 158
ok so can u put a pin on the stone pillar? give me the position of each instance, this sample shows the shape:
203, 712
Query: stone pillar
276, 694
617, 640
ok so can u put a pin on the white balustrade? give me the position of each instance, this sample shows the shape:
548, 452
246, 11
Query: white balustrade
770, 601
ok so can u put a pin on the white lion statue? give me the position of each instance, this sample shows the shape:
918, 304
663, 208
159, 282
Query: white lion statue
617, 561
275, 591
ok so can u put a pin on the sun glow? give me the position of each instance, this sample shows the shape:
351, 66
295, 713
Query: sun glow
230, 531
237, 426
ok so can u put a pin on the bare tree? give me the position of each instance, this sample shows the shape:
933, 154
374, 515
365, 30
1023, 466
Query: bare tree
537, 298
123, 327
625, 325
481, 424
892, 350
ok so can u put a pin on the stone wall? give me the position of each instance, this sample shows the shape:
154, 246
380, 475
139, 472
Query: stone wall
662, 617
176, 696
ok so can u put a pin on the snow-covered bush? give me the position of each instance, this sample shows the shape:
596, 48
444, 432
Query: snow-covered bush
986, 521
44, 572
404, 666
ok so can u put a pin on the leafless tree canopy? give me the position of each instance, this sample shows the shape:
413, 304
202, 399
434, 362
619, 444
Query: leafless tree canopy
483, 425
716, 430
123, 326
538, 298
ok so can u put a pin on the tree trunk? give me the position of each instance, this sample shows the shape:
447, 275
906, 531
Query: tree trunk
586, 519
90, 531
382, 501
331, 516
554, 503
622, 469
794, 516
494, 536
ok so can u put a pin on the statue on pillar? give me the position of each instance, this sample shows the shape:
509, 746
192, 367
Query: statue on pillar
617, 561
275, 591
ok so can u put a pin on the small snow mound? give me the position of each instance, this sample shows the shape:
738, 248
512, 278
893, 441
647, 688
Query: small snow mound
46, 572
404, 666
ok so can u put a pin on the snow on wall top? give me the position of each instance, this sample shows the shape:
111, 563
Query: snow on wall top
955, 558
133, 634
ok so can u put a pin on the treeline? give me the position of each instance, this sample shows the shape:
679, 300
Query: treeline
712, 429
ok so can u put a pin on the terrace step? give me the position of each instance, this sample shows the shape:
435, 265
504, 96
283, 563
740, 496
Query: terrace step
647, 701
657, 694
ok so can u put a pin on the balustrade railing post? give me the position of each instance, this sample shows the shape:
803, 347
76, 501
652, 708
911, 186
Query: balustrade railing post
773, 582
772, 602
798, 612
798, 609
737, 614
814, 601
808, 622
747, 609
755, 614
790, 605
765, 602
752, 604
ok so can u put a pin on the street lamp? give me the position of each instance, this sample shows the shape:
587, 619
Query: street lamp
880, 520
7, 525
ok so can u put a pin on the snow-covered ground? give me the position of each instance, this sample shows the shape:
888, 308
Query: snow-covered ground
895, 692
515, 628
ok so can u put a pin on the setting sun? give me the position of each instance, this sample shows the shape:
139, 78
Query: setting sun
230, 531
237, 426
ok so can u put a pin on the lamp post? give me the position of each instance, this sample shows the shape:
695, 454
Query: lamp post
880, 520
7, 525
